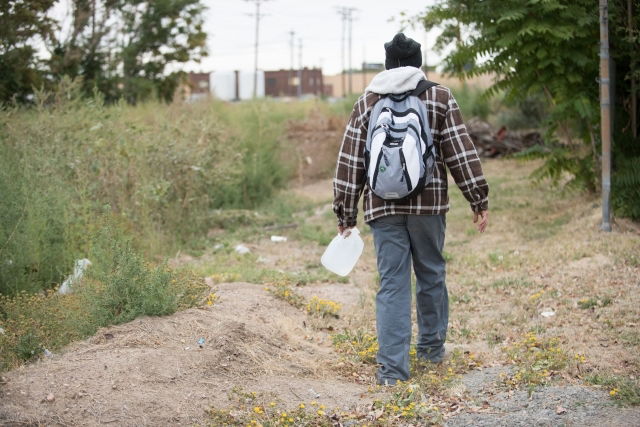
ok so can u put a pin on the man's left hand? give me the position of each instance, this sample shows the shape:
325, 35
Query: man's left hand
344, 231
483, 216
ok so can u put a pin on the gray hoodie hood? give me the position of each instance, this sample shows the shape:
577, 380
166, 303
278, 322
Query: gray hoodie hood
396, 80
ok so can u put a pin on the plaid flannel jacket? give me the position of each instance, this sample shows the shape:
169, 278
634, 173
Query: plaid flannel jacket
454, 149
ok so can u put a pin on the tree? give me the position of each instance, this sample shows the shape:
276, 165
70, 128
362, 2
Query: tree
549, 47
155, 34
22, 23
123, 48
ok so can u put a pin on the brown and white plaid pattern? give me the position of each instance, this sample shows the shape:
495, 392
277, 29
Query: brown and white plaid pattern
454, 149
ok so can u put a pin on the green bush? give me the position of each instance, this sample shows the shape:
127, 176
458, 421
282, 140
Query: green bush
472, 102
122, 285
526, 113
625, 189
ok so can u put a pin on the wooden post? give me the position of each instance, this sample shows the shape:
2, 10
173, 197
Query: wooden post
605, 115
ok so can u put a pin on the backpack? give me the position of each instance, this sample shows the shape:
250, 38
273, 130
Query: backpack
399, 152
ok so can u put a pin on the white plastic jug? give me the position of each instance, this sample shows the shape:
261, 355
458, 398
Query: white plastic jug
343, 252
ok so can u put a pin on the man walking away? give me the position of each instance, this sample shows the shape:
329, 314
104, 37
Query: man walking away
411, 230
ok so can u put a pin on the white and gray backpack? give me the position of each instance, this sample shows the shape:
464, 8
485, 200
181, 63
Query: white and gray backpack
399, 153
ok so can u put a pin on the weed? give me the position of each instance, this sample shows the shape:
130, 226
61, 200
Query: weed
460, 299
624, 391
283, 291
587, 303
496, 257
494, 338
258, 409
536, 359
211, 299
323, 307
630, 338
511, 282
360, 346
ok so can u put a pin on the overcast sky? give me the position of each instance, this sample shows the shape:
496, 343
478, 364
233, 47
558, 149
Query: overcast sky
230, 25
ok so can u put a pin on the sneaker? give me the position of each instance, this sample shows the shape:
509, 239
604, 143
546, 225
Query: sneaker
387, 382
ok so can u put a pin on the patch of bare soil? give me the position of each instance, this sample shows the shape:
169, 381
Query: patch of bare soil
152, 371
317, 140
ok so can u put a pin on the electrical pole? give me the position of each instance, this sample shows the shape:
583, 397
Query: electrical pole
292, 35
343, 12
605, 114
255, 62
634, 95
299, 68
350, 18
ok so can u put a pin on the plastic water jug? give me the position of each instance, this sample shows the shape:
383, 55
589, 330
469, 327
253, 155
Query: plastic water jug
343, 252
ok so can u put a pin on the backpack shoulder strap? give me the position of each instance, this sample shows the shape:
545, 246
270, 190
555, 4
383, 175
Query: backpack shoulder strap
422, 87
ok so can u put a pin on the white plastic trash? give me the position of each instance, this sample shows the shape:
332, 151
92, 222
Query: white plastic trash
78, 271
242, 249
343, 252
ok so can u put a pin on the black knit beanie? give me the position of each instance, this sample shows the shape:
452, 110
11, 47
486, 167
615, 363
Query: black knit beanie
402, 52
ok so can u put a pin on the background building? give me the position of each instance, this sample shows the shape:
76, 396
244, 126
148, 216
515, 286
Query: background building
287, 83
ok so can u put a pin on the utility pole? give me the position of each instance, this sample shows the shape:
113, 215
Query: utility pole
634, 95
292, 35
343, 12
347, 19
350, 18
605, 114
299, 68
255, 62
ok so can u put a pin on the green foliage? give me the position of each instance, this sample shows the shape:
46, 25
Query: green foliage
549, 49
524, 113
120, 48
625, 189
122, 285
472, 102
22, 22
624, 391
563, 161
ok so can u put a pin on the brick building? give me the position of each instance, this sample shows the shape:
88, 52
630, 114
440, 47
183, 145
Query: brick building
285, 82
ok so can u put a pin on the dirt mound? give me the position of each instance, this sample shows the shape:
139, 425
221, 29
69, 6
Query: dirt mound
152, 371
316, 141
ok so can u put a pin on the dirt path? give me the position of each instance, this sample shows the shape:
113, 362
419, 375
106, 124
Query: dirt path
541, 254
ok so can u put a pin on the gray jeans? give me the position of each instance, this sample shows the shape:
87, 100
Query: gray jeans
398, 240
